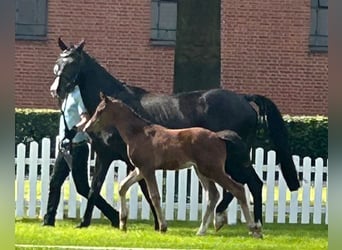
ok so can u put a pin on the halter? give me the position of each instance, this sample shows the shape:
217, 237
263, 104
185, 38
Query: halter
71, 82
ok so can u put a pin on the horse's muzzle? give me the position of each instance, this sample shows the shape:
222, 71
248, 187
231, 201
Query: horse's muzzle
54, 87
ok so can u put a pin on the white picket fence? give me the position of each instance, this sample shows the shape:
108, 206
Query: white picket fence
307, 205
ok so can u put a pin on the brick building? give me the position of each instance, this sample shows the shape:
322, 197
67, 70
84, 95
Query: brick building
273, 48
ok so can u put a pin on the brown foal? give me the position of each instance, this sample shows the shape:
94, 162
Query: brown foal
151, 147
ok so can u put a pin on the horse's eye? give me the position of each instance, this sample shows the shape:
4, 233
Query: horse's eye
55, 69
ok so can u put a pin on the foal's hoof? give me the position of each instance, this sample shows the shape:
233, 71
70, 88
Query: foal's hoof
219, 220
200, 233
256, 230
163, 228
123, 225
257, 235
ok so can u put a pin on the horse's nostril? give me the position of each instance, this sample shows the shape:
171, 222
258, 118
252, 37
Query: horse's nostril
53, 94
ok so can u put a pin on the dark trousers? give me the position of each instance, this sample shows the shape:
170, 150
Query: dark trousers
79, 173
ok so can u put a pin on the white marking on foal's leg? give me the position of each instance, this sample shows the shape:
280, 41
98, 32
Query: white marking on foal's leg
204, 227
219, 220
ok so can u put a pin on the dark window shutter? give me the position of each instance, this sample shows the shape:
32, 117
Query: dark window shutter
163, 21
31, 19
318, 40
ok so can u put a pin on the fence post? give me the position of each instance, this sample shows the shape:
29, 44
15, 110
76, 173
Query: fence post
45, 175
307, 168
182, 184
317, 215
170, 195
294, 197
20, 204
194, 196
33, 162
269, 218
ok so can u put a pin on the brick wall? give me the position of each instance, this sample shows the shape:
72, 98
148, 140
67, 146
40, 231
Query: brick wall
264, 50
117, 34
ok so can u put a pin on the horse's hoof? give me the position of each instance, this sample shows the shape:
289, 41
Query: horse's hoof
156, 227
82, 225
219, 220
116, 223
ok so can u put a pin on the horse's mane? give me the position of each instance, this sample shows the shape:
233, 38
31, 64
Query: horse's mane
91, 61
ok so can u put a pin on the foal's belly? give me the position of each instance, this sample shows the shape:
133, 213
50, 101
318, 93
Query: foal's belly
176, 165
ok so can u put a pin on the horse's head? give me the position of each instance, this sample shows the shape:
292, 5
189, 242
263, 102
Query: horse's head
67, 69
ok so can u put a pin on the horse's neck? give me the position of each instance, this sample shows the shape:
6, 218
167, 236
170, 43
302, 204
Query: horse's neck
95, 78
129, 124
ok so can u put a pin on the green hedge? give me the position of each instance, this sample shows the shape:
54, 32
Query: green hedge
308, 135
34, 124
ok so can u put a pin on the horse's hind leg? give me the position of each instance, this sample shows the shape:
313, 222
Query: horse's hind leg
212, 198
255, 186
125, 184
152, 186
101, 169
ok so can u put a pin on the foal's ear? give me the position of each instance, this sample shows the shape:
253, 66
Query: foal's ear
80, 45
61, 44
103, 96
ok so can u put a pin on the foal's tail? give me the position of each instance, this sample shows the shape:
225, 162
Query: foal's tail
279, 135
237, 150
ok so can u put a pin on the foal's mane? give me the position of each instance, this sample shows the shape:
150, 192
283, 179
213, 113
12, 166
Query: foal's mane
112, 99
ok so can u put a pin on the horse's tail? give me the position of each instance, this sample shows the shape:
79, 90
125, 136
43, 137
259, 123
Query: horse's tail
279, 136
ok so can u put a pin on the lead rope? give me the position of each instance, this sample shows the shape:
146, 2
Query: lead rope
64, 151
66, 129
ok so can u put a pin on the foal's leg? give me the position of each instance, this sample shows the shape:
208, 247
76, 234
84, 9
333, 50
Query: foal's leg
220, 217
212, 198
152, 185
144, 190
125, 184
238, 191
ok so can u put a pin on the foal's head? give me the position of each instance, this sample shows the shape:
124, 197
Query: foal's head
102, 119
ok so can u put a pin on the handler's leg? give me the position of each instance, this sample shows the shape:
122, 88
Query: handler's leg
59, 174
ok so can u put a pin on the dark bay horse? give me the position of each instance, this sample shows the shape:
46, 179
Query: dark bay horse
151, 147
216, 109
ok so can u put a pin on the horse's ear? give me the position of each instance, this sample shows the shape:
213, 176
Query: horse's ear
61, 44
80, 45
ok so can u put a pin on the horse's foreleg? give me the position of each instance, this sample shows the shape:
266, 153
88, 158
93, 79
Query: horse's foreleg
101, 169
152, 185
212, 198
125, 184
220, 214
